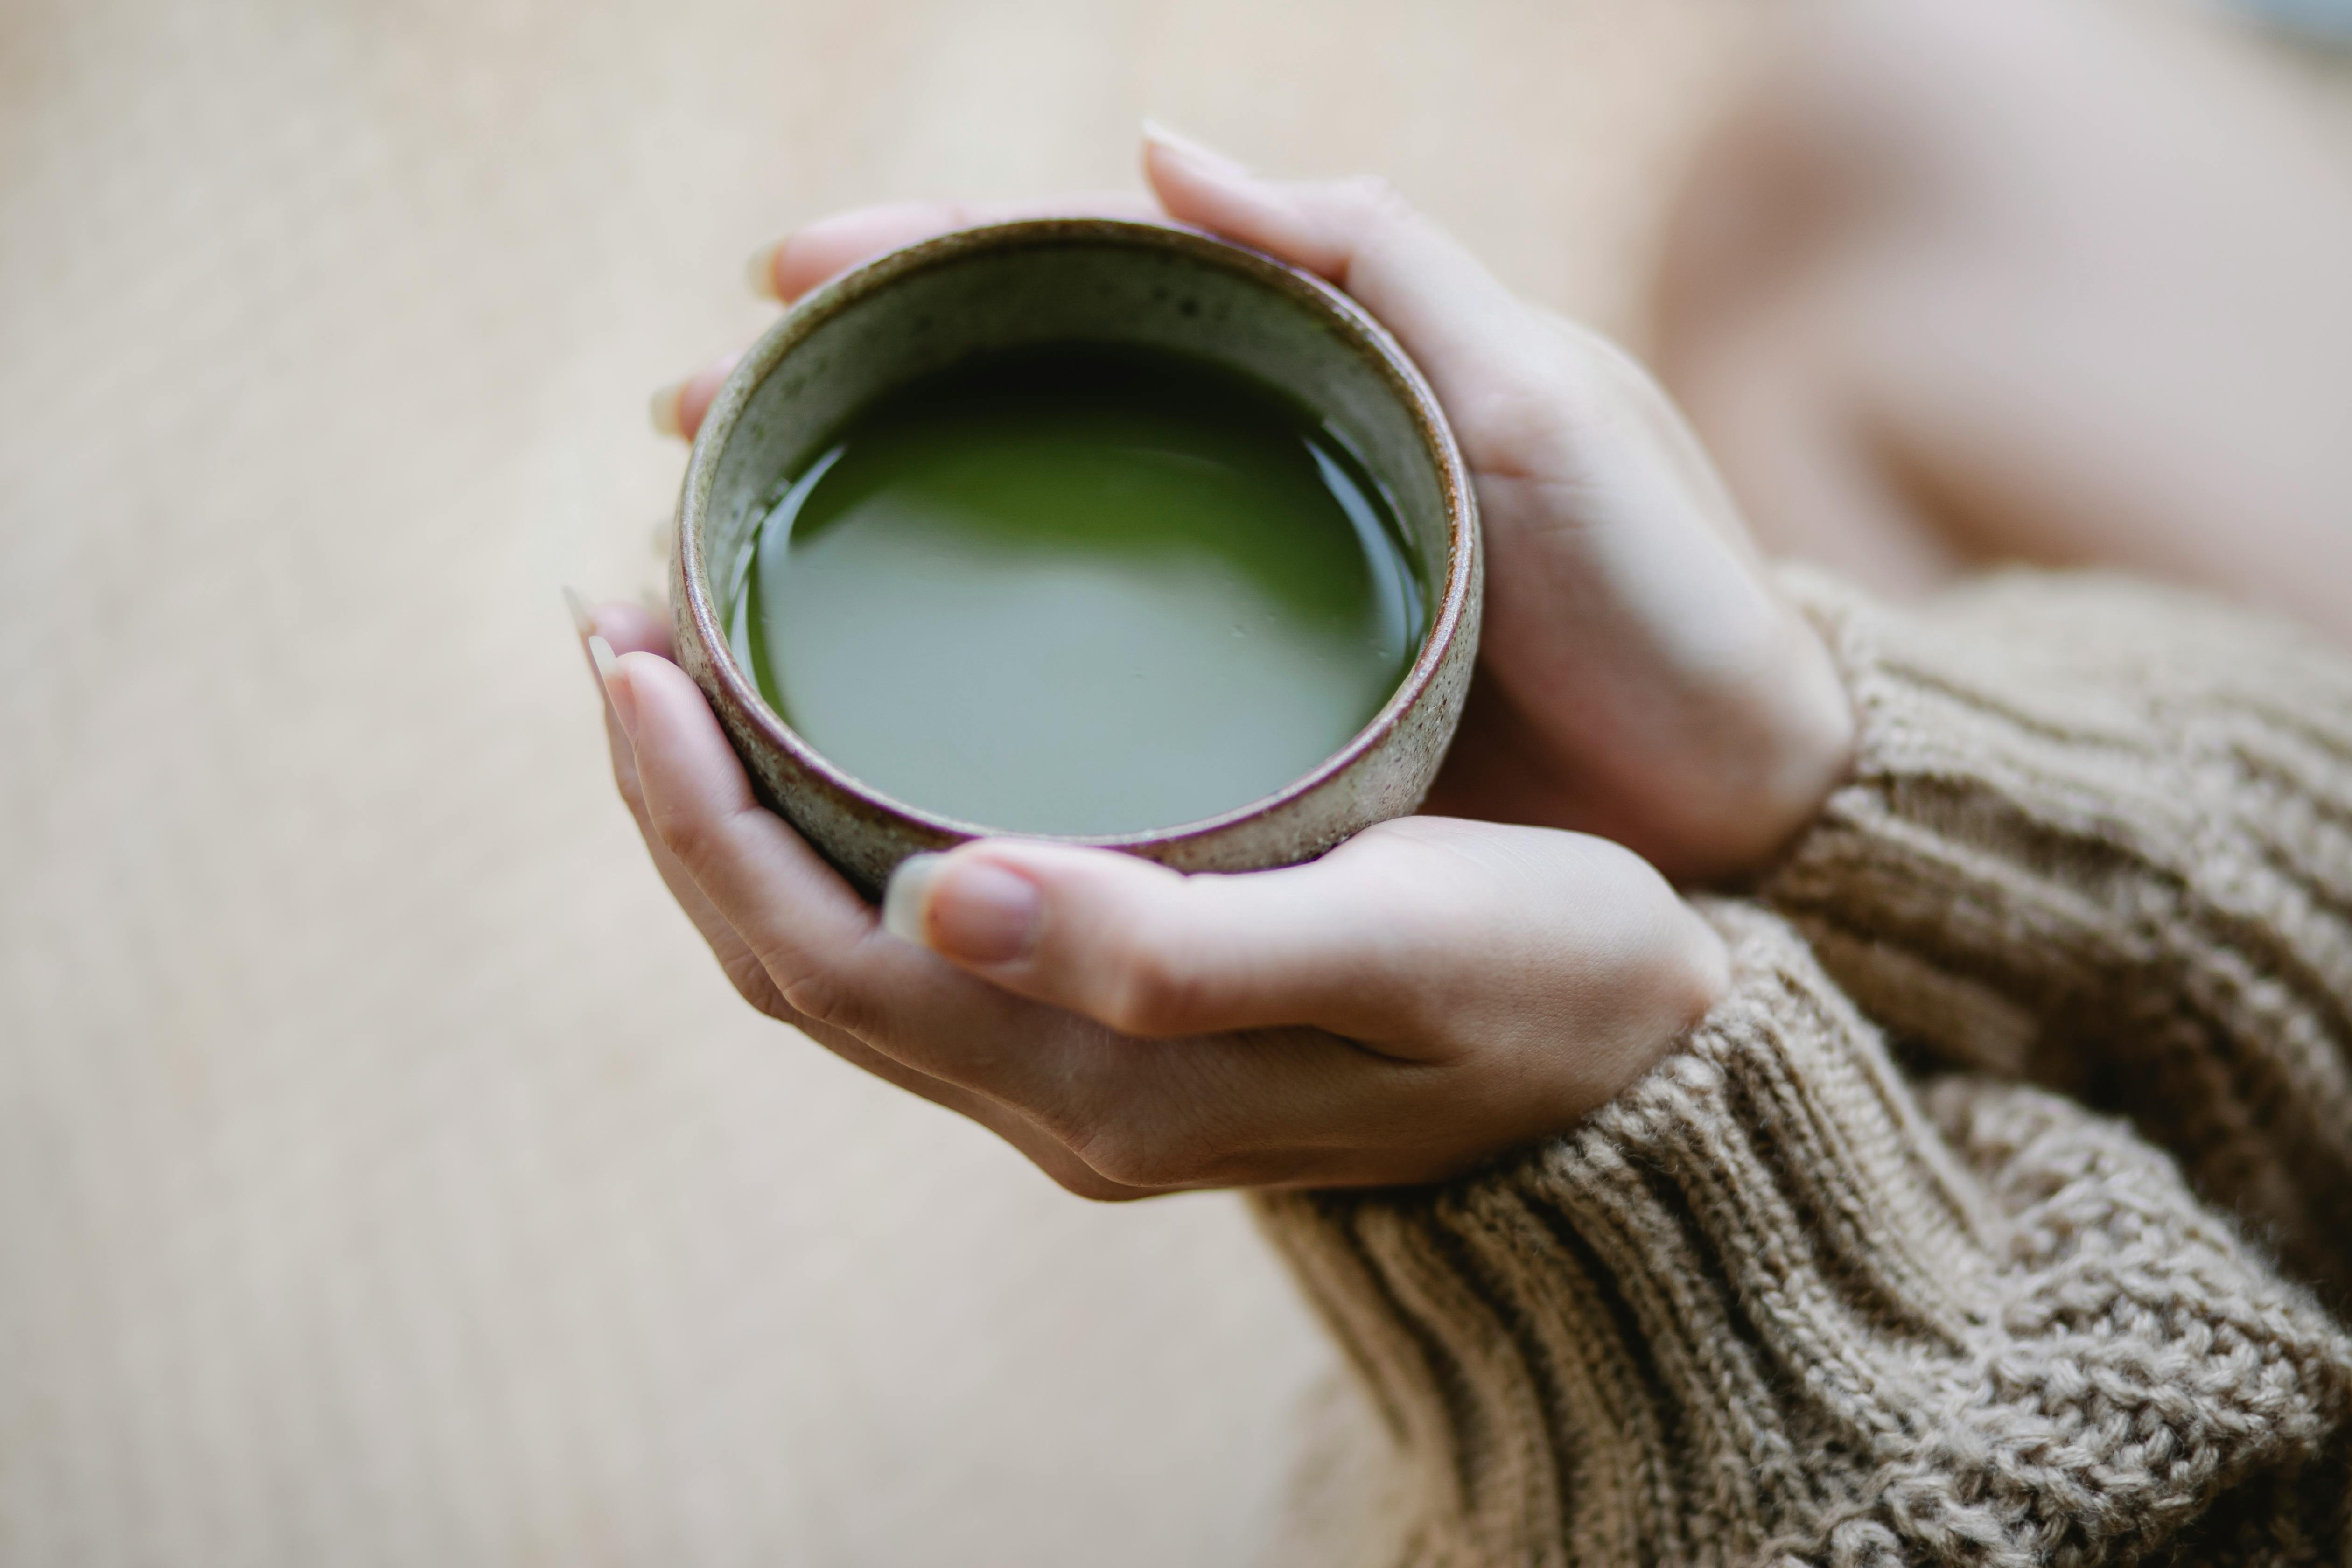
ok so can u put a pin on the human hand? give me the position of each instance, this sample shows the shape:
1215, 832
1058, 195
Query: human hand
1429, 993
1638, 678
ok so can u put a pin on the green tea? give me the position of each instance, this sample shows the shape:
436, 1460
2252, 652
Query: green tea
1080, 590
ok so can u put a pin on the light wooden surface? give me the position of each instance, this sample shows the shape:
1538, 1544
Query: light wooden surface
386, 1176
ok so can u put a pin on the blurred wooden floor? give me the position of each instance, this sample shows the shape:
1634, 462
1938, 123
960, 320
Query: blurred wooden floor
386, 1176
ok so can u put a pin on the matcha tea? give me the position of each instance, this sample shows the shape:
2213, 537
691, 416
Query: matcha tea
1080, 590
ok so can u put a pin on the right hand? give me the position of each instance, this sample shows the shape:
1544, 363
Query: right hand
1430, 993
1638, 677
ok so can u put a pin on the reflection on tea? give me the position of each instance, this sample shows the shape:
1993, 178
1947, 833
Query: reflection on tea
1080, 590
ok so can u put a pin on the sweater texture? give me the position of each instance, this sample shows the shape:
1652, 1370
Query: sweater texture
2001, 1213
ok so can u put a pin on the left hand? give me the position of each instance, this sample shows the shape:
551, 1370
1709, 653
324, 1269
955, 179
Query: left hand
1639, 676
1429, 993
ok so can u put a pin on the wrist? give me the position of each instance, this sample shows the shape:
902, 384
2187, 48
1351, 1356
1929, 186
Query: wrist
1683, 974
1812, 719
1694, 970
1762, 766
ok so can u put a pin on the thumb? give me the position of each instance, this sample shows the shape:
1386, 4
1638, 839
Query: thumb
1413, 934
1525, 390
1454, 317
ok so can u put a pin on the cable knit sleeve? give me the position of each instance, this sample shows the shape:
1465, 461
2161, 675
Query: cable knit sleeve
2059, 1292
2099, 837
1775, 1306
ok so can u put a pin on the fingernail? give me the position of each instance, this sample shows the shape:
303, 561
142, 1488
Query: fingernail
623, 699
909, 890
1192, 151
984, 914
760, 271
974, 911
582, 621
664, 410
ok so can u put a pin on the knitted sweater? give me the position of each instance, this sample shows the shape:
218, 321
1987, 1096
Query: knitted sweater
2067, 1284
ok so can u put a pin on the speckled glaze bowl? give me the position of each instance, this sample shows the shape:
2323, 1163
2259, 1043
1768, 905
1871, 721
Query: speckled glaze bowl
931, 305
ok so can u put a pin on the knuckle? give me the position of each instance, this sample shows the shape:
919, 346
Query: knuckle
702, 837
820, 998
1068, 1118
1082, 1181
1141, 1154
756, 985
633, 792
690, 835
1154, 994
1374, 199
1530, 425
795, 984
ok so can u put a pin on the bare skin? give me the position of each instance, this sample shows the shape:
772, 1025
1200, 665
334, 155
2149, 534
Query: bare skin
1962, 280
2053, 281
1135, 1031
1639, 678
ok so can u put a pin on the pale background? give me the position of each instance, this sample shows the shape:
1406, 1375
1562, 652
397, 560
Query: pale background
386, 1174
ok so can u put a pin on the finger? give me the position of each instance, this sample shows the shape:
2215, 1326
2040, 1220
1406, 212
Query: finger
678, 408
1106, 1118
832, 245
625, 628
799, 262
632, 628
698, 803
1413, 937
1527, 390
820, 942
1462, 987
1602, 500
1460, 324
1048, 1153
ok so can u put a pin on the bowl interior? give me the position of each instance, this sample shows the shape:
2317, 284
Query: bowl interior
936, 305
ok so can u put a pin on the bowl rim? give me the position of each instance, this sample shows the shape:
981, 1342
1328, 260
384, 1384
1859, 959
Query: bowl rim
1352, 323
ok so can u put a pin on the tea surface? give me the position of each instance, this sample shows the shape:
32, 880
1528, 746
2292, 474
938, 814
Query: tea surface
1079, 591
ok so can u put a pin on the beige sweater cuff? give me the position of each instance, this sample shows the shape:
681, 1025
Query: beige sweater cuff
2098, 837
1767, 1301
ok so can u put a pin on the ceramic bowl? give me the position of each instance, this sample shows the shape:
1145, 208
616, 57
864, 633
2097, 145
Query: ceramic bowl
929, 306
